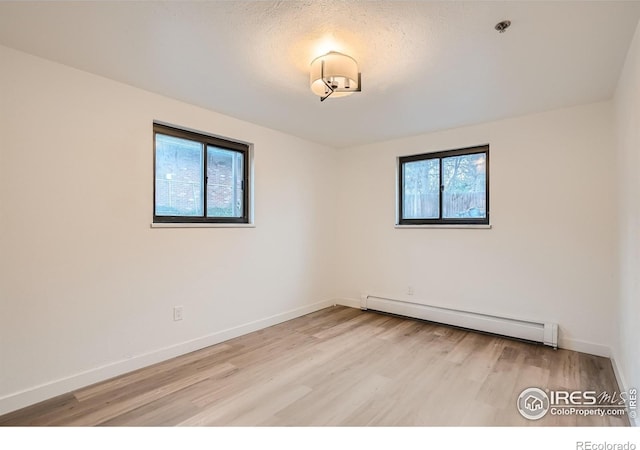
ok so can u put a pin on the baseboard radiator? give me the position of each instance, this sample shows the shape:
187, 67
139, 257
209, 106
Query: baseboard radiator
546, 333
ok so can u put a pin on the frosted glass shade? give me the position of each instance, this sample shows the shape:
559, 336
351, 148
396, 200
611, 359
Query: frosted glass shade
339, 71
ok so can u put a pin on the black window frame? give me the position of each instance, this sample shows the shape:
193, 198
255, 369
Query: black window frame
205, 140
440, 155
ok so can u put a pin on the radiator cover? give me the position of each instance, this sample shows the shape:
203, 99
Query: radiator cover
543, 332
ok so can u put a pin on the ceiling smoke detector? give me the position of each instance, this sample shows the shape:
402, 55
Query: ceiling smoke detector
502, 26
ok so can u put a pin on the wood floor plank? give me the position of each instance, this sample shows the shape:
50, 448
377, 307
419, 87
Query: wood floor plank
125, 381
40, 413
339, 366
109, 410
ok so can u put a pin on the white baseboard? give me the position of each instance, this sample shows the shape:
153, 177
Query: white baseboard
351, 303
584, 347
622, 384
54, 388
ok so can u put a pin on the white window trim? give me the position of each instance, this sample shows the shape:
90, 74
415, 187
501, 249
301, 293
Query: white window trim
203, 225
460, 226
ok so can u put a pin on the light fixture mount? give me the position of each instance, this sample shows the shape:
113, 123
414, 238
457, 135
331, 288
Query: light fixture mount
335, 74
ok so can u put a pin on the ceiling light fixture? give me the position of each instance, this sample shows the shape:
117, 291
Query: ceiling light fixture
334, 74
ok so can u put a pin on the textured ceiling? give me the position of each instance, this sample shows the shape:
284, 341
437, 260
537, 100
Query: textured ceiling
425, 65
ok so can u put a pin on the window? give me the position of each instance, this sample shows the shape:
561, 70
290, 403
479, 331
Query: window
199, 178
444, 188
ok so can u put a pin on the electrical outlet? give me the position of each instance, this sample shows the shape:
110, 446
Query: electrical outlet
409, 290
177, 312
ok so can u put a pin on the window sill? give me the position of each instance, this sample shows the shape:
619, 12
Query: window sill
461, 226
203, 225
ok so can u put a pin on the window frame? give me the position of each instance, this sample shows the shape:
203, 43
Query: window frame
441, 155
205, 140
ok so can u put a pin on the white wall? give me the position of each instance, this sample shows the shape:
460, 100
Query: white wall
87, 287
627, 120
550, 255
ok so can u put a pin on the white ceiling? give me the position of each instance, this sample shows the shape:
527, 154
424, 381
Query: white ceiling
425, 65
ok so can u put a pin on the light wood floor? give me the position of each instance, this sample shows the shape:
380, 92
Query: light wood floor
339, 366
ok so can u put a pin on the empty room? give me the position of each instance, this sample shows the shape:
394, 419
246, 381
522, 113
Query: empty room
319, 213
